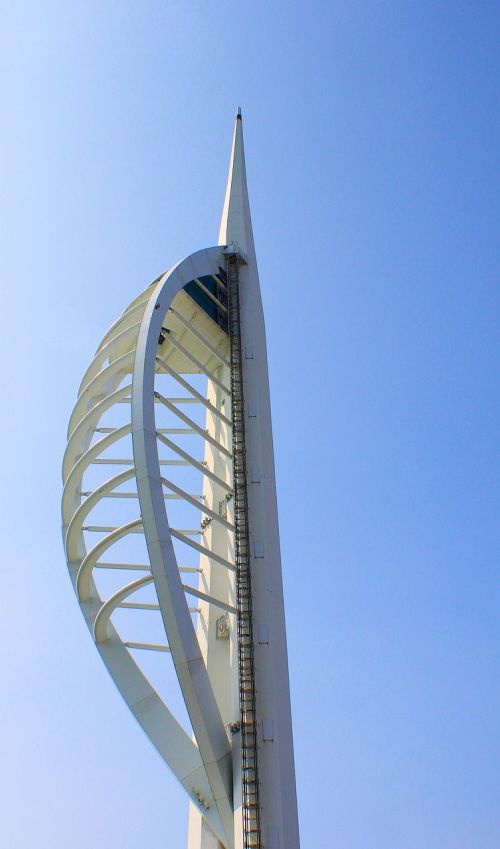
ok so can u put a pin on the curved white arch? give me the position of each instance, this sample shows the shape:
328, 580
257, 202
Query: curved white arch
101, 621
208, 728
75, 463
100, 385
121, 338
131, 315
79, 438
79, 516
83, 585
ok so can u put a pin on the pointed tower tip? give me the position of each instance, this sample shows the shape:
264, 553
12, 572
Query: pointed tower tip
236, 224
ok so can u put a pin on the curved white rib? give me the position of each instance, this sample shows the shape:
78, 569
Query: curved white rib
122, 338
100, 386
101, 621
79, 516
79, 438
75, 462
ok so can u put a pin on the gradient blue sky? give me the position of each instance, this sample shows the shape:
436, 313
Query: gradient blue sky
372, 143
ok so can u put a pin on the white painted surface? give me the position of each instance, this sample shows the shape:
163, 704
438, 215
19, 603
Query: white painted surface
122, 377
276, 763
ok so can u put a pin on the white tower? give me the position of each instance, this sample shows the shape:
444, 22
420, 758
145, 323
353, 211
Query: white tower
171, 534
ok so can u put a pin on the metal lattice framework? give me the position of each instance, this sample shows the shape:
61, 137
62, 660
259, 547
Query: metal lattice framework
162, 338
169, 514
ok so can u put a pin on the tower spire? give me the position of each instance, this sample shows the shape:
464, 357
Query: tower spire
236, 222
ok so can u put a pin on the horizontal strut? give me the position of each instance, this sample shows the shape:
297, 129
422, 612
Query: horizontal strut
187, 386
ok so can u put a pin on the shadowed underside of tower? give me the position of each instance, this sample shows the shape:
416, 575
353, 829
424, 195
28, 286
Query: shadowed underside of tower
171, 534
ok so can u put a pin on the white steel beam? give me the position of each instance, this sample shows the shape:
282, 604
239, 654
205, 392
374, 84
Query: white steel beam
208, 512
217, 602
201, 432
148, 646
175, 342
200, 336
200, 466
212, 555
199, 397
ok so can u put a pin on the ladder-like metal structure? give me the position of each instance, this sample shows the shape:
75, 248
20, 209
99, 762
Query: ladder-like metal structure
248, 725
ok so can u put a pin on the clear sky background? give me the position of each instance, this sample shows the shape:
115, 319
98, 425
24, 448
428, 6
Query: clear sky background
372, 141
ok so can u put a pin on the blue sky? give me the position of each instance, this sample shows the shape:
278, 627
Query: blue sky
372, 143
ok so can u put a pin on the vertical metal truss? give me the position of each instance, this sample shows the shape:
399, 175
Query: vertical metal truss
249, 764
115, 406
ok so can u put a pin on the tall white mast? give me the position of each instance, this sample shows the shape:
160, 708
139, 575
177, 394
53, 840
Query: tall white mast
277, 792
236, 222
